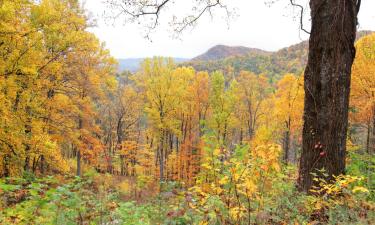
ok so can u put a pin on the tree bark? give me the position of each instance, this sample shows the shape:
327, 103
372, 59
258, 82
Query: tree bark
327, 87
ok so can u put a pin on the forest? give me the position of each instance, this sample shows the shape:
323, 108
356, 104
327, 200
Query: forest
266, 138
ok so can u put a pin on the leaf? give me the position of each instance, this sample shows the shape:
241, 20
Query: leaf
357, 189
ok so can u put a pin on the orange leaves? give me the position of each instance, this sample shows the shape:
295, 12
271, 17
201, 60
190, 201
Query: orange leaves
362, 98
53, 72
127, 148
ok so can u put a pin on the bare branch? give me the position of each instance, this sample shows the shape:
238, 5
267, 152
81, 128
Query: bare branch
301, 15
191, 20
358, 6
11, 147
132, 10
149, 11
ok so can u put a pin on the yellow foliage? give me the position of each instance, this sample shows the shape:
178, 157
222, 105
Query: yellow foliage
357, 189
124, 187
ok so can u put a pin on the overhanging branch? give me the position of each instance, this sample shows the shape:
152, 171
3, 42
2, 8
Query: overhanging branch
149, 11
301, 15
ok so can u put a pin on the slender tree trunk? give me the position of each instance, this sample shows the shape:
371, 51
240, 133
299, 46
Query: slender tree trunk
28, 135
327, 87
368, 136
42, 164
286, 146
79, 170
35, 161
241, 136
78, 163
26, 167
122, 165
6, 166
161, 155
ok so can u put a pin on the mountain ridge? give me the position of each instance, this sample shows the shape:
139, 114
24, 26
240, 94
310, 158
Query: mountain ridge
223, 51
291, 59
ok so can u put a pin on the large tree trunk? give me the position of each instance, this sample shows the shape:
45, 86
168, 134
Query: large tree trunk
327, 87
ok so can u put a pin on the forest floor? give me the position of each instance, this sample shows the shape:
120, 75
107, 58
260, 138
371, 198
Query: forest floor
109, 199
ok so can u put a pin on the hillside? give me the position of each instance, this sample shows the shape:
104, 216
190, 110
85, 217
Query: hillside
287, 60
291, 59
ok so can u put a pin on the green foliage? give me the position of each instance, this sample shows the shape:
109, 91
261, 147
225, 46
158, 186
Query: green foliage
363, 164
45, 201
343, 200
244, 187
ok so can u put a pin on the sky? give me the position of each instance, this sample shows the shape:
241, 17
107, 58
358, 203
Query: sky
256, 25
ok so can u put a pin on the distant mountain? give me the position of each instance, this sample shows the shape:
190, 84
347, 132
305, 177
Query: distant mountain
287, 60
291, 59
222, 51
133, 64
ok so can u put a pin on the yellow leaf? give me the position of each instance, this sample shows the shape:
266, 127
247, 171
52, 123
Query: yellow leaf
357, 189
224, 180
216, 152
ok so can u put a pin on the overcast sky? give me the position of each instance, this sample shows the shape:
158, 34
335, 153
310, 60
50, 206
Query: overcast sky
256, 25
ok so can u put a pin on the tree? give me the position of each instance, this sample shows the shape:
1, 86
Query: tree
288, 111
51, 76
327, 87
362, 98
252, 91
222, 102
163, 90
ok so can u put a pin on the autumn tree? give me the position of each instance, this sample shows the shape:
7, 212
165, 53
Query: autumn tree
161, 90
252, 92
222, 102
362, 98
128, 108
288, 111
48, 61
